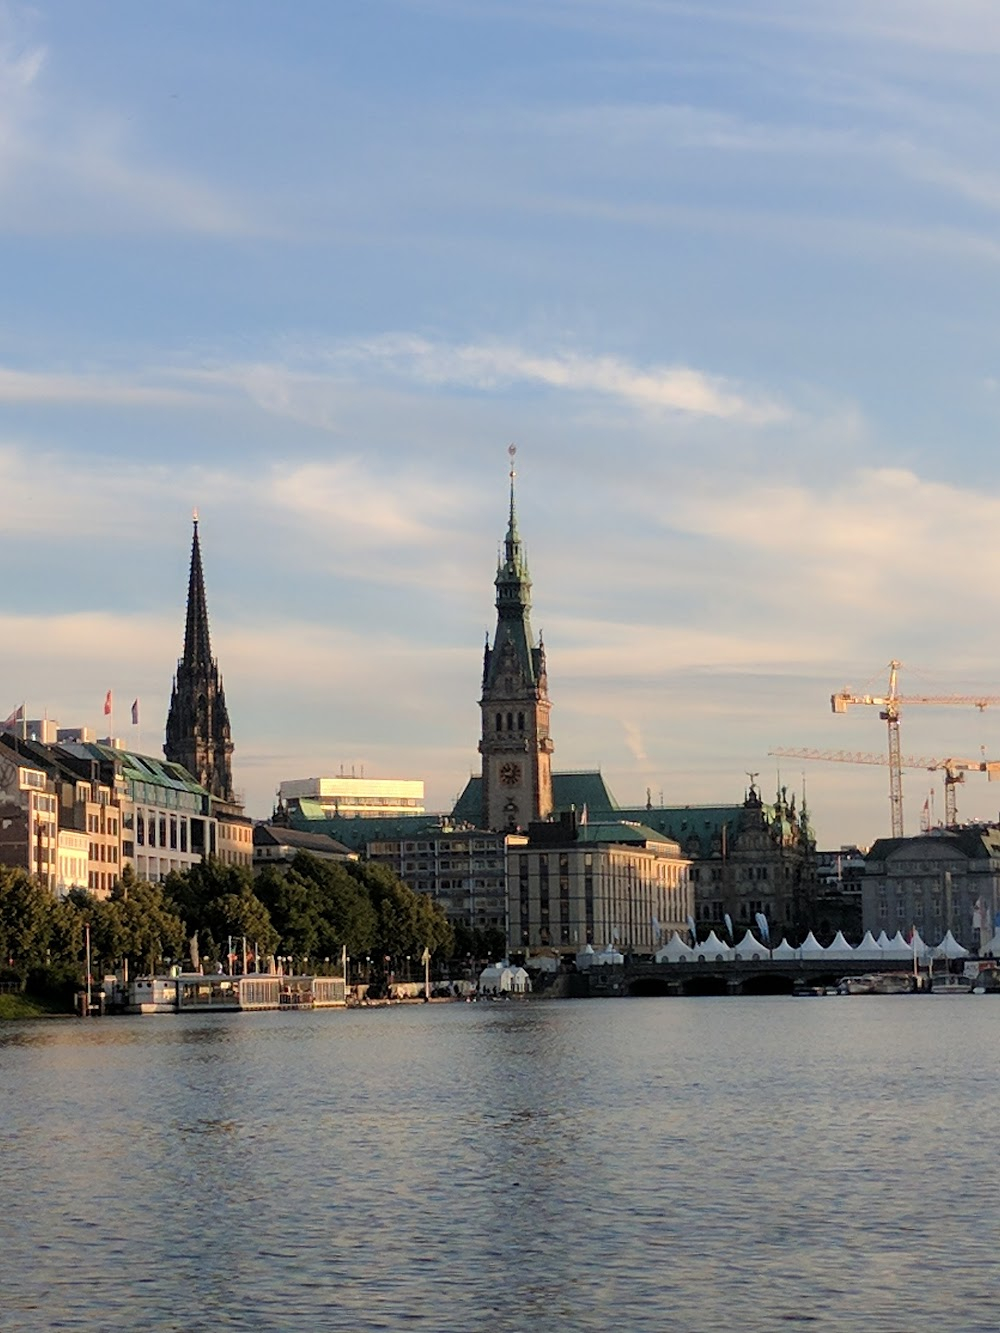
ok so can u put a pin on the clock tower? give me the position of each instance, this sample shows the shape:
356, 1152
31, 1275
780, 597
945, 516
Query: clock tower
515, 745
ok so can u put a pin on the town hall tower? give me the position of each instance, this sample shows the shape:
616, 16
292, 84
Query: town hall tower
515, 744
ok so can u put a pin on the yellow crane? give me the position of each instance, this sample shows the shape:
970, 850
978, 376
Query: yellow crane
954, 769
890, 703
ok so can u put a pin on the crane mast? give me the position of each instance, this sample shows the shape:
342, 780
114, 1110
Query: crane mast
889, 705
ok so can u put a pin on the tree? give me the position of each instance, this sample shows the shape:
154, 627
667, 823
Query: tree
25, 922
148, 928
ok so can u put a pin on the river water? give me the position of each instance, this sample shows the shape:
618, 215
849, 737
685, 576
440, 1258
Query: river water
660, 1164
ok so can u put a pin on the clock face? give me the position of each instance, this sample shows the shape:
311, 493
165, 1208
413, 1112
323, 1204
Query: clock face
510, 774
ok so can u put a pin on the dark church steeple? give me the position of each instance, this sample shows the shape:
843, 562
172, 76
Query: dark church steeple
515, 742
198, 734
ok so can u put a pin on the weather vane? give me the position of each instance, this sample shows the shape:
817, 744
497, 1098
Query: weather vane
512, 451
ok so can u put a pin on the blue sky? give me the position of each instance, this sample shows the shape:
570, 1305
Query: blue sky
727, 274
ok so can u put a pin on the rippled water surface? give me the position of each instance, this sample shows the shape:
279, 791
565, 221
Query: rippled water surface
623, 1164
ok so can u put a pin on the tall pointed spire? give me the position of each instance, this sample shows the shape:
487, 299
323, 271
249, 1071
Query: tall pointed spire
198, 733
197, 648
515, 742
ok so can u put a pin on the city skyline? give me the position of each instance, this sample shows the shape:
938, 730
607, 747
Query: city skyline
726, 278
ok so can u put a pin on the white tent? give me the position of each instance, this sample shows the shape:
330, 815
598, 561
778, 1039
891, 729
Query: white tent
811, 947
950, 948
897, 947
868, 948
918, 948
785, 950
585, 957
750, 947
489, 979
992, 947
838, 947
712, 950
608, 957
883, 940
674, 951
514, 981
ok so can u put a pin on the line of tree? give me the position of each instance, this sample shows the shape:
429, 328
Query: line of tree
308, 913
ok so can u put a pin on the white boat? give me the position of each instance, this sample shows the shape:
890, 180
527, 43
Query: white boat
950, 983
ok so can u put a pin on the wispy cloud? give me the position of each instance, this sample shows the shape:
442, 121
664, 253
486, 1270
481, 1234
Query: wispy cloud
490, 368
78, 388
77, 168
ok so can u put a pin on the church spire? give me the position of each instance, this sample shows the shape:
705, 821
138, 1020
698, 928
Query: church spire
198, 734
197, 649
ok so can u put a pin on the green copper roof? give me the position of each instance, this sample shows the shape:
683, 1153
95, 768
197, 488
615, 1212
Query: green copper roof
570, 791
621, 831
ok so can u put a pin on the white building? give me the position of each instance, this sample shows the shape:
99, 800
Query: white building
349, 797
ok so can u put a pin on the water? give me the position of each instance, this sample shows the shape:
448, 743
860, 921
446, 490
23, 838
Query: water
696, 1164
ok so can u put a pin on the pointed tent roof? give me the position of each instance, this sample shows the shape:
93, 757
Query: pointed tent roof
869, 947
785, 950
712, 949
811, 945
839, 947
750, 947
897, 947
674, 951
917, 945
950, 948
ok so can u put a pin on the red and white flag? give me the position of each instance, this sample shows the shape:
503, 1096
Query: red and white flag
15, 717
135, 712
107, 704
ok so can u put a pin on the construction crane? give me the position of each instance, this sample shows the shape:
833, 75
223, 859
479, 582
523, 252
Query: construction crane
954, 769
890, 703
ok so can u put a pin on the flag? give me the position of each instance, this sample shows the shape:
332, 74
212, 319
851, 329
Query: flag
15, 717
107, 704
763, 927
729, 927
135, 712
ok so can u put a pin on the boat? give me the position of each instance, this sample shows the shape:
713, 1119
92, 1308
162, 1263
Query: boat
862, 985
950, 983
893, 983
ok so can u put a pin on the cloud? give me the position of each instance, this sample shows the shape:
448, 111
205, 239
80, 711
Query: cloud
76, 168
76, 388
487, 368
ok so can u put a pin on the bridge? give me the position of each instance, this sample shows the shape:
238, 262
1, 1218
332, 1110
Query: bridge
759, 976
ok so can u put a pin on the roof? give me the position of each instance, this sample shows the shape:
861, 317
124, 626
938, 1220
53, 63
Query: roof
691, 826
570, 791
621, 831
356, 831
977, 842
275, 835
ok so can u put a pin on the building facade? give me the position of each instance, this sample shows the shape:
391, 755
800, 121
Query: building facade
946, 880
574, 884
349, 797
29, 827
463, 870
85, 807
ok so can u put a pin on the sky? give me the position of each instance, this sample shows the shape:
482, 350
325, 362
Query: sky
726, 273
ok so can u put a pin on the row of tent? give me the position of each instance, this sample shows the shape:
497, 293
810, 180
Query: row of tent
503, 979
714, 950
